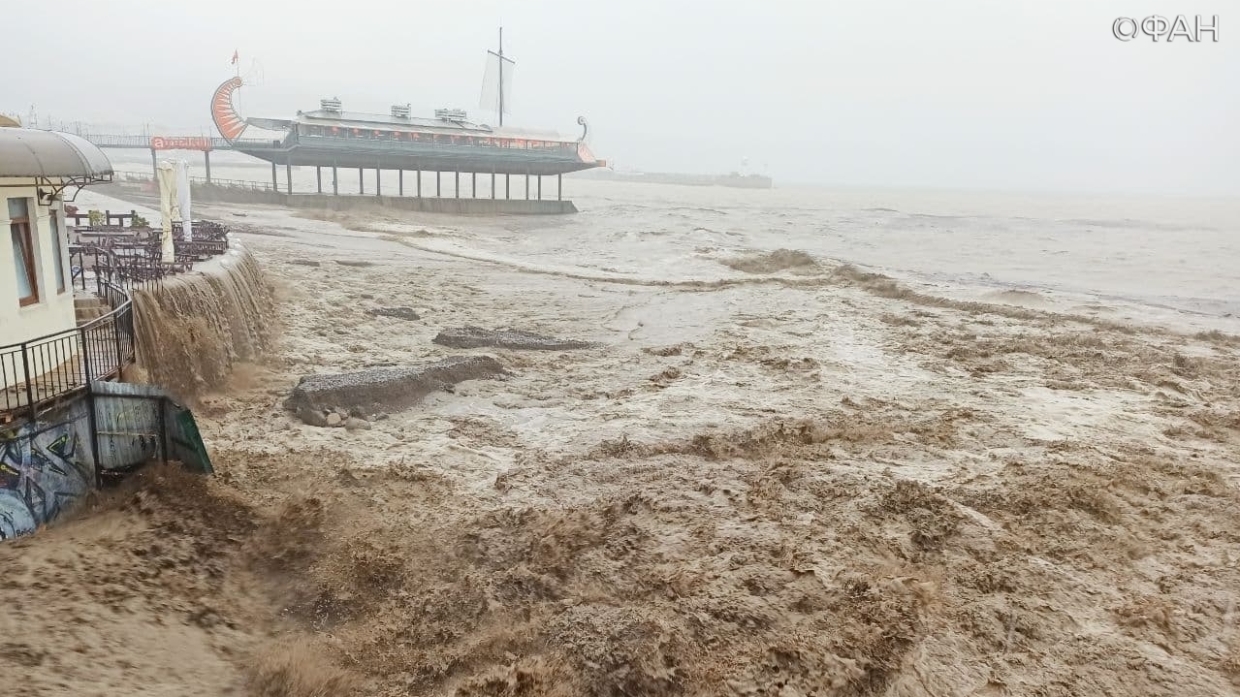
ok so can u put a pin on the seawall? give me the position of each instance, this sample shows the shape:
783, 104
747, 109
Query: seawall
454, 206
191, 329
46, 465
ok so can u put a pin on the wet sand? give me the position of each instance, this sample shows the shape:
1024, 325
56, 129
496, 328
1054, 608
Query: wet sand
773, 475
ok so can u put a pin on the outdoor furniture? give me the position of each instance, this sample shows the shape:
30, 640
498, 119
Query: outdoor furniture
135, 255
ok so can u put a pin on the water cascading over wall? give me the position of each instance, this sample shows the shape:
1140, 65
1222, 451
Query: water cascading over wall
192, 329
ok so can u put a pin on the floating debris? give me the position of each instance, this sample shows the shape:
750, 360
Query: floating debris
475, 337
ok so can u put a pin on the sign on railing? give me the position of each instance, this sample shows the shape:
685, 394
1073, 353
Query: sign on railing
180, 143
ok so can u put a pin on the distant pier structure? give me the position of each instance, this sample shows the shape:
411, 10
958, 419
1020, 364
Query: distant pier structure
333, 139
448, 145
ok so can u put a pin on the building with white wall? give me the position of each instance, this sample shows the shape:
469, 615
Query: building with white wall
38, 169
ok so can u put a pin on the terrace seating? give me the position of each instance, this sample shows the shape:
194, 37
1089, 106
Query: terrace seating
135, 254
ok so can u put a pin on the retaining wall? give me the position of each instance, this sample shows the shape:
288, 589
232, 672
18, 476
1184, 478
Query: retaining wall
49, 463
189, 330
46, 465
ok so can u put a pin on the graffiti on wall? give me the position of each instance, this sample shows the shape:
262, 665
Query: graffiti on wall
47, 465
43, 470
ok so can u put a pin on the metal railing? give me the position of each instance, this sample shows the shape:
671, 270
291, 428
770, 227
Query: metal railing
233, 183
127, 268
39, 373
106, 140
134, 254
253, 185
513, 153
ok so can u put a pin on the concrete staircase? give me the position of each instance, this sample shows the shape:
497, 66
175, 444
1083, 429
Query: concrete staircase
89, 308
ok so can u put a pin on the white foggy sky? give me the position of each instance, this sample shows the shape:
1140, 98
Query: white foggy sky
1003, 94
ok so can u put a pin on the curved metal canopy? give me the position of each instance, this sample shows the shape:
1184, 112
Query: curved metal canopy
50, 155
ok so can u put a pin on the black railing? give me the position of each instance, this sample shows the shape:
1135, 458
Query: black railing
233, 183
39, 373
126, 268
134, 256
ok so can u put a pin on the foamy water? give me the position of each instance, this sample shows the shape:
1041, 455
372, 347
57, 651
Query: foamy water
1169, 261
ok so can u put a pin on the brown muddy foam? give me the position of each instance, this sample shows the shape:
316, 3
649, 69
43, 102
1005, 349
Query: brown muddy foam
515, 339
805, 554
771, 262
153, 588
867, 491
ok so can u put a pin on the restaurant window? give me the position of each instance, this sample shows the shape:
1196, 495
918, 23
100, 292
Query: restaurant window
23, 252
58, 248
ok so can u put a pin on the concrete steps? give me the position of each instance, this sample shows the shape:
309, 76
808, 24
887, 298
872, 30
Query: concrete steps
89, 308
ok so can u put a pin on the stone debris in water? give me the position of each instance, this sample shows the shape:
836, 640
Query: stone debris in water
771, 262
475, 337
378, 389
405, 313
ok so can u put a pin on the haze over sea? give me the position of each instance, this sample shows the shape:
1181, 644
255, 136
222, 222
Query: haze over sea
1162, 260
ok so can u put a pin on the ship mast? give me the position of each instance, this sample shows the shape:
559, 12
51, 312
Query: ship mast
500, 59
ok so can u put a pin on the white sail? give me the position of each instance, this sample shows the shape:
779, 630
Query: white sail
491, 87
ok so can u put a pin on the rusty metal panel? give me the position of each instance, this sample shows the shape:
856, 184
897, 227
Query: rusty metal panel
140, 423
128, 424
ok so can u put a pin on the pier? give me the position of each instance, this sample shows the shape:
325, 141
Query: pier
445, 182
156, 144
339, 141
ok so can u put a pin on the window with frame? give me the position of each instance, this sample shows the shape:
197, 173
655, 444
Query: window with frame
58, 249
23, 252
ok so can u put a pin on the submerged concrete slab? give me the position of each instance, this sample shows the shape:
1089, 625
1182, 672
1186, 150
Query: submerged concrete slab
477, 337
380, 389
348, 202
406, 313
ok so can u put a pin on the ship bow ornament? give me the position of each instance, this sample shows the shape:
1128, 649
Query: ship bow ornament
224, 114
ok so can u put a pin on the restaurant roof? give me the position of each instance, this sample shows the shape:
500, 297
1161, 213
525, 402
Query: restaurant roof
27, 152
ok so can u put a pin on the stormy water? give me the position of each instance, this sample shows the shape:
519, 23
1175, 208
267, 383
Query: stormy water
1145, 259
